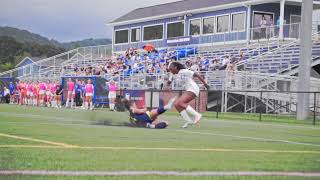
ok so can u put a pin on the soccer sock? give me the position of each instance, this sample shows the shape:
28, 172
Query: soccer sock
170, 103
151, 126
185, 116
72, 100
91, 105
190, 110
111, 106
161, 110
53, 103
67, 103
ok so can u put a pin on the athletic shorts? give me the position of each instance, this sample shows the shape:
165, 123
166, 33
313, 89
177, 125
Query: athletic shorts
195, 90
22, 93
42, 92
35, 93
89, 94
71, 93
29, 93
48, 93
112, 94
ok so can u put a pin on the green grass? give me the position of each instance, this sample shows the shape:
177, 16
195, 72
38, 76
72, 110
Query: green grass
286, 118
107, 129
150, 178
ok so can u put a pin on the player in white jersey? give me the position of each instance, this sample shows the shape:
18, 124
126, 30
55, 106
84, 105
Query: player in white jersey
192, 91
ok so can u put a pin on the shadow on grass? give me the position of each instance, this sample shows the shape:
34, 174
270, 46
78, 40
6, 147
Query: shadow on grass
112, 123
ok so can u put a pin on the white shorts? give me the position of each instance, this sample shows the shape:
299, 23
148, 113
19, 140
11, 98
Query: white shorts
41, 92
195, 90
89, 94
112, 95
71, 93
29, 93
48, 93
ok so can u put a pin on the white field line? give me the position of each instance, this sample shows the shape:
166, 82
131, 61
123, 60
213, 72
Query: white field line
155, 173
161, 149
205, 133
36, 140
250, 138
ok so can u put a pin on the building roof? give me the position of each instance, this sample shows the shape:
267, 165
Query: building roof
174, 7
33, 59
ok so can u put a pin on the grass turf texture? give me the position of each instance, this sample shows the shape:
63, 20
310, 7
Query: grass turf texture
109, 129
150, 178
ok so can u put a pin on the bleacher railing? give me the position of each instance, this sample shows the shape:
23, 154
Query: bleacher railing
290, 31
56, 66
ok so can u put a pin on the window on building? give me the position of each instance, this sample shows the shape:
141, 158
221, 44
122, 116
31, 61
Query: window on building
223, 23
135, 35
238, 22
121, 36
175, 29
153, 32
194, 28
208, 25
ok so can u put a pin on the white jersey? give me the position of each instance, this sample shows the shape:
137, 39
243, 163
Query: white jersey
185, 78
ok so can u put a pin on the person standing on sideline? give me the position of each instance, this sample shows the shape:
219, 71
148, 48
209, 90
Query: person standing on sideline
71, 93
59, 91
6, 95
89, 94
12, 90
112, 94
42, 92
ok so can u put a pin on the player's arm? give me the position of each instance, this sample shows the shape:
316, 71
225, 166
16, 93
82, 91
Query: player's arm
170, 79
196, 75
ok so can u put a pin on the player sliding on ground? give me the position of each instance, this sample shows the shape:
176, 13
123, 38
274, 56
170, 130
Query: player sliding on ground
141, 117
192, 91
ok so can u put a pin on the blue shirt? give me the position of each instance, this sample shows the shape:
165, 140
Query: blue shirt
78, 88
83, 88
11, 88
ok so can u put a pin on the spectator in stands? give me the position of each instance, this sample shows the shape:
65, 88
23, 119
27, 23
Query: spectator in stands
225, 62
271, 28
263, 26
6, 95
231, 70
203, 64
214, 65
194, 67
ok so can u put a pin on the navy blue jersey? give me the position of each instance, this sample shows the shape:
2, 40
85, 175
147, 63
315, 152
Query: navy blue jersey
141, 118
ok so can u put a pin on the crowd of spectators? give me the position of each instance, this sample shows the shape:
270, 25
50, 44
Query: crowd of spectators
152, 62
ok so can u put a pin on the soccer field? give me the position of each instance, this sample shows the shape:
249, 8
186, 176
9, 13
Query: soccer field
75, 142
